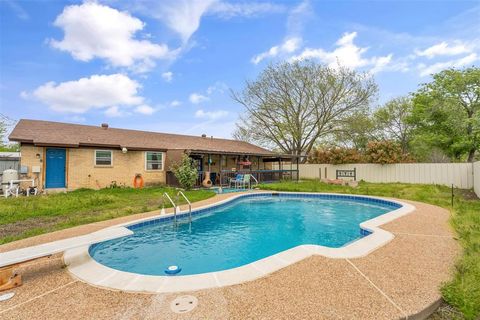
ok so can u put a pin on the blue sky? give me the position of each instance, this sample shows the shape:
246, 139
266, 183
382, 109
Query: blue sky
169, 65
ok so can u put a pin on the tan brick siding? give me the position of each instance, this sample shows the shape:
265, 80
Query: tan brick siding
82, 172
29, 159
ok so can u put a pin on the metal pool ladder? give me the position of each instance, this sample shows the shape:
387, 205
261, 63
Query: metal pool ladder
189, 205
165, 195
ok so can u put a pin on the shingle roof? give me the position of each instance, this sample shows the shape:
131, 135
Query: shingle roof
48, 133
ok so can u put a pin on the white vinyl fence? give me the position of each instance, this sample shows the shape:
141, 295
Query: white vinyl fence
476, 178
458, 174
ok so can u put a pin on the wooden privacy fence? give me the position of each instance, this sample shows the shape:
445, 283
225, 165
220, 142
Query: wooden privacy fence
458, 174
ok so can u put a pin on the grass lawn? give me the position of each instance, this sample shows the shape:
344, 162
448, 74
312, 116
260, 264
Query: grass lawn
29, 216
463, 291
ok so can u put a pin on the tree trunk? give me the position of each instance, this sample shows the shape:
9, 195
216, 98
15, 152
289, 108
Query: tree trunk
471, 154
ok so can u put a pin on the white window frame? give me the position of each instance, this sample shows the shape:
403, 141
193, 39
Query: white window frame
102, 165
163, 161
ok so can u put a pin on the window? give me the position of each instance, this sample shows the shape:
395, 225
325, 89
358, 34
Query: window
153, 160
103, 157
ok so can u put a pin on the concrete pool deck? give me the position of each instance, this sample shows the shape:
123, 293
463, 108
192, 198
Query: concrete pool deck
400, 279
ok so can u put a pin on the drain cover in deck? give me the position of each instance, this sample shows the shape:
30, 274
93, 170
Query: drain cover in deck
183, 304
6, 296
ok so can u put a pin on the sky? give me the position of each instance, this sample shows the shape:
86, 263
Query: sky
170, 65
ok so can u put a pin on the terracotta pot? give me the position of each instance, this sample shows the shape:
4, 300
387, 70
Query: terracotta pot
207, 183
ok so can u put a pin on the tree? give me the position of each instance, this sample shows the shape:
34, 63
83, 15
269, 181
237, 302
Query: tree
292, 105
446, 112
5, 124
186, 172
355, 131
392, 121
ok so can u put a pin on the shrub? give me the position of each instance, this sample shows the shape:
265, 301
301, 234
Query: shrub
186, 172
335, 155
381, 152
384, 152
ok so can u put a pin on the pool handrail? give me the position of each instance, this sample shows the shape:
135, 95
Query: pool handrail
189, 205
174, 206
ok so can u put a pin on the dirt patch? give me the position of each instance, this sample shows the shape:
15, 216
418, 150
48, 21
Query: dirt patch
466, 194
19, 227
446, 312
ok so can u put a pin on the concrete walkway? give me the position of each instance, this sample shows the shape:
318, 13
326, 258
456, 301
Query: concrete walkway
398, 280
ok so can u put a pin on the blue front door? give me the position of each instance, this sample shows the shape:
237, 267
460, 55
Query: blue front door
55, 174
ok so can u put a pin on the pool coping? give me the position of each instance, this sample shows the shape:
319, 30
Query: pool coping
82, 266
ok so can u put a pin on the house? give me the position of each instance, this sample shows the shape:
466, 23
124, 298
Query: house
71, 156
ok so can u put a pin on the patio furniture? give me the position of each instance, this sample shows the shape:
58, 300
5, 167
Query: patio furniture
235, 181
246, 181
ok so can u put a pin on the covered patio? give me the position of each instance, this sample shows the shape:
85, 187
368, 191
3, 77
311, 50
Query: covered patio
223, 166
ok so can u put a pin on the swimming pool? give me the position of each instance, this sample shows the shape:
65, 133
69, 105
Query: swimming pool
239, 232
219, 190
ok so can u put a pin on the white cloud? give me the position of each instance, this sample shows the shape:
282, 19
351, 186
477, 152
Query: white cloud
439, 66
346, 54
181, 16
290, 45
24, 95
219, 87
114, 112
211, 115
244, 9
298, 17
175, 103
444, 49
296, 20
167, 76
18, 9
144, 109
95, 92
92, 31
380, 63
197, 98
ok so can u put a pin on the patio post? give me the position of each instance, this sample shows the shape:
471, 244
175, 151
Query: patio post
298, 171
291, 169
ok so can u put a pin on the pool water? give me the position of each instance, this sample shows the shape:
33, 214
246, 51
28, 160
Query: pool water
229, 190
246, 230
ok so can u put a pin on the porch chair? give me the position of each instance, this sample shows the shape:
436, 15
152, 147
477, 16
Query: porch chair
246, 181
235, 181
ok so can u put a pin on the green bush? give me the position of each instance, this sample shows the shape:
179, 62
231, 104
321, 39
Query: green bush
186, 172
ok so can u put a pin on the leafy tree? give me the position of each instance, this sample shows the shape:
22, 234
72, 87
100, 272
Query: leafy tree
292, 105
355, 131
186, 172
392, 122
446, 112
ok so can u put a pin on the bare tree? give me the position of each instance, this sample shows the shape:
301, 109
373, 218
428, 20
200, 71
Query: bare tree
293, 105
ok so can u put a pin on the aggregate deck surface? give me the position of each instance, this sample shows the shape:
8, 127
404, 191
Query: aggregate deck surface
400, 279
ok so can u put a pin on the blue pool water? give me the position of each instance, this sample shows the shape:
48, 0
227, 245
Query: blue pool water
229, 190
245, 230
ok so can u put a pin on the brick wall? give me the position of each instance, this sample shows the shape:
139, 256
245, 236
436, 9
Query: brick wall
29, 158
82, 172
